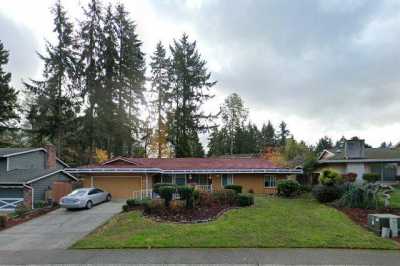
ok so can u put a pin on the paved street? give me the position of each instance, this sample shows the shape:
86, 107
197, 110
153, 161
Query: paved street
204, 256
58, 229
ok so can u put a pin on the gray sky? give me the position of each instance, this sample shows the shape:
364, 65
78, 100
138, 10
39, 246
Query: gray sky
326, 67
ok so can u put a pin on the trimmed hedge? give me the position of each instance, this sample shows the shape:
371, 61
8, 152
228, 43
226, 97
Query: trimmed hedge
225, 196
157, 186
288, 188
236, 188
245, 199
371, 177
187, 193
330, 178
166, 193
325, 193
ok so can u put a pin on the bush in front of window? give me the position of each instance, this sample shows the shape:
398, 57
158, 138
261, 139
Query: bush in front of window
245, 199
288, 188
187, 193
157, 186
371, 177
326, 194
225, 197
236, 188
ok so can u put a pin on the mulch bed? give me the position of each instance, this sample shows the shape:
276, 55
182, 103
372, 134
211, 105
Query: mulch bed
28, 216
198, 214
360, 216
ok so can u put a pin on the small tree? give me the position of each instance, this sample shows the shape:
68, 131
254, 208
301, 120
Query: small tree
187, 193
166, 193
330, 178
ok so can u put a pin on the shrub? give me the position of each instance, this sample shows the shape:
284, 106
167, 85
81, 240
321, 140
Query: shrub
196, 196
225, 196
186, 193
153, 206
371, 177
325, 193
236, 188
251, 191
166, 193
360, 196
132, 203
3, 221
205, 198
40, 204
21, 210
349, 177
305, 188
288, 188
156, 187
125, 208
245, 199
330, 178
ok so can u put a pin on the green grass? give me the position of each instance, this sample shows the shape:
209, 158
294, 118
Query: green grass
272, 222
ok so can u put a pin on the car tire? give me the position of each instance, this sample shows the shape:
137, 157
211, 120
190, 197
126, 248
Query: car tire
108, 198
89, 205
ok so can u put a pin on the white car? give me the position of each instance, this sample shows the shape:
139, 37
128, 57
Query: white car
84, 198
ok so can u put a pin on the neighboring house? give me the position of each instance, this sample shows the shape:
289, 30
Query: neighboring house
27, 173
356, 158
134, 177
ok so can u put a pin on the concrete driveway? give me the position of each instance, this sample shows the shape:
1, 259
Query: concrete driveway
58, 229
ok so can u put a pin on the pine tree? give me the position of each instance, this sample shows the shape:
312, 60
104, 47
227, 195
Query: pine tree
190, 82
324, 143
8, 99
160, 87
268, 136
91, 32
283, 133
130, 78
53, 103
234, 114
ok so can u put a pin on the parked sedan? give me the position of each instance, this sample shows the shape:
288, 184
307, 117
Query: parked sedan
84, 198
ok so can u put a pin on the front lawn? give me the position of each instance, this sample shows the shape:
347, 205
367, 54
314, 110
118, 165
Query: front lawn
272, 222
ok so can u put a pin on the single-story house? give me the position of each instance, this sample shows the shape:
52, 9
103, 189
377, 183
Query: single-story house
27, 173
356, 158
135, 177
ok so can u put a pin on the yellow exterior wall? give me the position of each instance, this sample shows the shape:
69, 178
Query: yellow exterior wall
247, 181
120, 186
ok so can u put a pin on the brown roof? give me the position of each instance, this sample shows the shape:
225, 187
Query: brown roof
186, 163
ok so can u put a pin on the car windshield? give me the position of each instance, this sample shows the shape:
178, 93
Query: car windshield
79, 192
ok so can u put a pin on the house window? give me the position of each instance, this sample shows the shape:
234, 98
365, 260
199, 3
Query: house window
269, 181
180, 180
386, 171
166, 179
227, 180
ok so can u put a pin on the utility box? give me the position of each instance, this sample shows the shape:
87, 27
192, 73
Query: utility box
377, 221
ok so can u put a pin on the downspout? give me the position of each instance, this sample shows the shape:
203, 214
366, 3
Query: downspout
32, 196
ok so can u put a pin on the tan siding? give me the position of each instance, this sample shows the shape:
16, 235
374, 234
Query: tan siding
119, 186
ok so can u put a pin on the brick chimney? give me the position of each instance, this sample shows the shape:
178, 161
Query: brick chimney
51, 156
354, 148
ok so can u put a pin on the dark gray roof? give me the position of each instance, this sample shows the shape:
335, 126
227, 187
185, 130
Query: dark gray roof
7, 151
19, 176
371, 154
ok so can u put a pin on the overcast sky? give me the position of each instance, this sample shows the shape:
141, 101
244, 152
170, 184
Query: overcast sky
325, 67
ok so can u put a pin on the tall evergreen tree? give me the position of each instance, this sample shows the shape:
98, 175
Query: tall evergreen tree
8, 99
233, 114
91, 32
53, 103
283, 133
324, 143
268, 135
190, 82
131, 70
160, 87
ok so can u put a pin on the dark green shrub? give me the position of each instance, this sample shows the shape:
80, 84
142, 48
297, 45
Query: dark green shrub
125, 208
325, 193
236, 188
186, 193
153, 206
132, 203
371, 177
225, 196
245, 199
353, 197
156, 187
288, 188
3, 221
40, 204
330, 178
21, 210
305, 188
196, 196
166, 193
